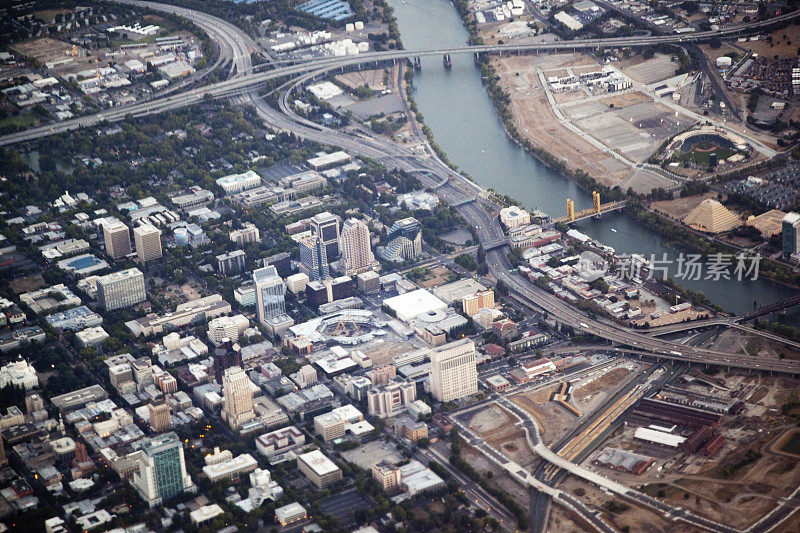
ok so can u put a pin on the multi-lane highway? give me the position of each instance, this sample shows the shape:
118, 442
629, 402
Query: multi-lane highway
235, 44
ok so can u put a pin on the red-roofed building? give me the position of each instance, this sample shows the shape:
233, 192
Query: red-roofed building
494, 350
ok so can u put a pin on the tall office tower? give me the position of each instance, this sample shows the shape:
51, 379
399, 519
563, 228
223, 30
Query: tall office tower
227, 355
121, 289
326, 227
270, 294
148, 242
454, 372
356, 247
160, 419
117, 239
237, 397
161, 470
790, 234
142, 370
405, 240
314, 258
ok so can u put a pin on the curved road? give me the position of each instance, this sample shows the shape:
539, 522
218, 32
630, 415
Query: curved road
237, 46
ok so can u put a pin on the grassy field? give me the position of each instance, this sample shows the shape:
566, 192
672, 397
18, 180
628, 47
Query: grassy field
25, 120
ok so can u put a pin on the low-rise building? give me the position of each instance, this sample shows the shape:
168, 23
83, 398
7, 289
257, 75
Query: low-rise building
320, 470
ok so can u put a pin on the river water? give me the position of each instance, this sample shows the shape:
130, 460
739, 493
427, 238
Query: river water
458, 110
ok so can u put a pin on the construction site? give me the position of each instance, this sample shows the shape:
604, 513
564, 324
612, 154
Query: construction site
721, 444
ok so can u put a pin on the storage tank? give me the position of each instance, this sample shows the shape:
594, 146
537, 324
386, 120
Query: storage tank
359, 25
363, 47
349, 26
181, 236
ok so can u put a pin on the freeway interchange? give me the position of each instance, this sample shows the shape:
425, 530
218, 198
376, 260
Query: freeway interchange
236, 47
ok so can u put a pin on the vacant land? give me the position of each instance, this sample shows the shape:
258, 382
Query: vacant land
607, 380
784, 43
678, 208
374, 79
649, 71
553, 420
535, 119
436, 276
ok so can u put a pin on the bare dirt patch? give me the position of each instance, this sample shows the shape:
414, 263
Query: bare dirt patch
436, 276
27, 284
607, 380
371, 78
784, 43
678, 208
535, 119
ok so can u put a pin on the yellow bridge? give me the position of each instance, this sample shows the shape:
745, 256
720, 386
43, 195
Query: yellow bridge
596, 210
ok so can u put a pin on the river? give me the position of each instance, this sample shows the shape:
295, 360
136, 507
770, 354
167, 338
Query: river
457, 108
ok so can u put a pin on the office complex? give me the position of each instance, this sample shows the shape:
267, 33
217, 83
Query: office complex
388, 399
121, 289
148, 242
356, 247
270, 294
320, 470
160, 470
314, 258
405, 240
790, 234
237, 397
454, 373
227, 327
325, 226
160, 419
117, 239
472, 304
234, 183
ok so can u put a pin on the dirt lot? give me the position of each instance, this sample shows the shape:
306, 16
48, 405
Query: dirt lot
680, 207
480, 463
608, 380
779, 46
382, 353
554, 420
536, 120
734, 341
371, 78
659, 67
634, 517
498, 427
27, 284
436, 276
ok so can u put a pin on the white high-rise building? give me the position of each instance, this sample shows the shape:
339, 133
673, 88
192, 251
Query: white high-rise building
247, 234
148, 242
227, 327
121, 289
356, 247
454, 372
117, 239
270, 294
237, 397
